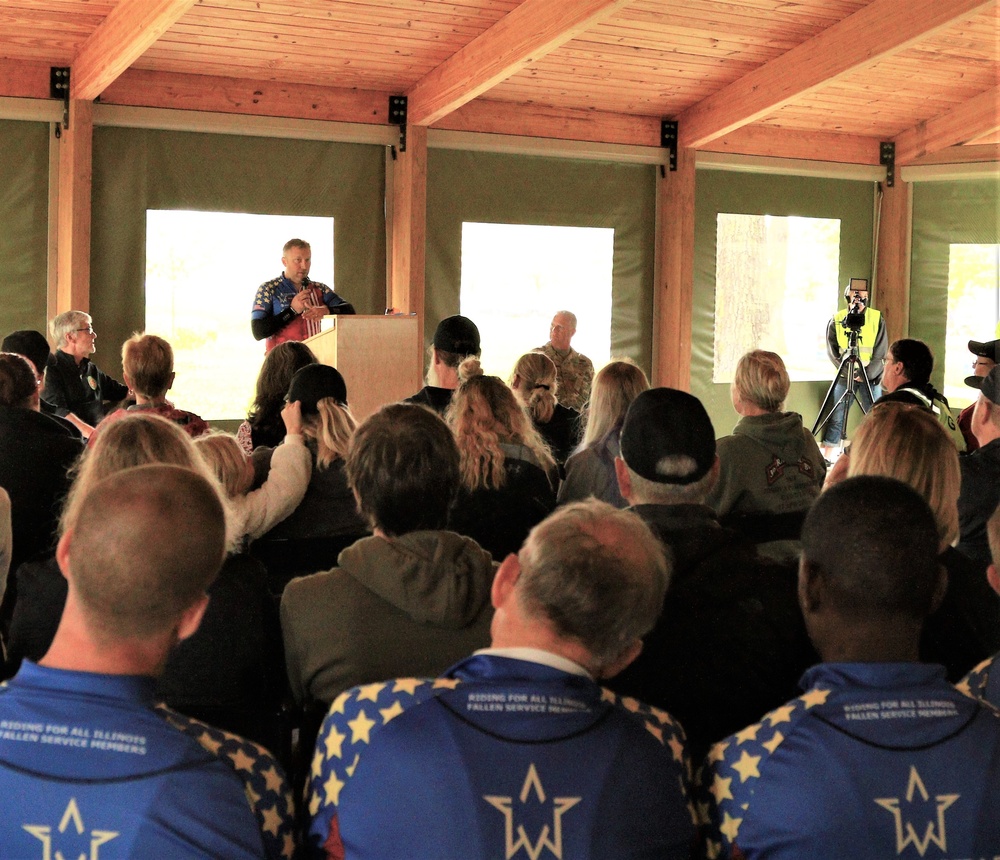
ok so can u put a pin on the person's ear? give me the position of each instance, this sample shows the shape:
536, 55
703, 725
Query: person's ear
993, 577
624, 480
515, 382
623, 660
62, 553
171, 383
810, 587
191, 617
506, 578
128, 380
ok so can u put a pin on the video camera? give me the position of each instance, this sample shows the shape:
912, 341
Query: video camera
856, 294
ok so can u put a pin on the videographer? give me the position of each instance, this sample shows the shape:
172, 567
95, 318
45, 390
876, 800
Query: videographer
872, 346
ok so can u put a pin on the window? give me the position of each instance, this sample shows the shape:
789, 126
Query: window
202, 270
973, 311
516, 276
776, 289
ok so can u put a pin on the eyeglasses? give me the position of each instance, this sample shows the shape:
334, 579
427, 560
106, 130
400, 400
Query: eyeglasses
88, 329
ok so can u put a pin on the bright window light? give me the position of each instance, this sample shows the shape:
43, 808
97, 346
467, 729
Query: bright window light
202, 271
516, 276
776, 287
973, 311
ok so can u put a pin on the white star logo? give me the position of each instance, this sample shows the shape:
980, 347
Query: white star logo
560, 805
906, 835
43, 833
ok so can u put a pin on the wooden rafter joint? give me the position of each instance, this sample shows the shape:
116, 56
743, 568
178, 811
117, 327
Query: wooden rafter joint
887, 156
397, 116
59, 89
668, 140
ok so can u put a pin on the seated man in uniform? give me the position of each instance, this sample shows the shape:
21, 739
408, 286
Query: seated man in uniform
518, 746
291, 306
574, 371
907, 379
880, 757
86, 759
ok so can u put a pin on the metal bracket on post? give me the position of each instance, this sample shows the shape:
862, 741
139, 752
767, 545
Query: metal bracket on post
397, 116
887, 156
59, 89
668, 140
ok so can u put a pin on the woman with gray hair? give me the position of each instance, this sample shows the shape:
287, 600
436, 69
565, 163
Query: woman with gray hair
79, 390
770, 469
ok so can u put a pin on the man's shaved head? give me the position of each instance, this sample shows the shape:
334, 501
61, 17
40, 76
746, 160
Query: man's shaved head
874, 542
144, 546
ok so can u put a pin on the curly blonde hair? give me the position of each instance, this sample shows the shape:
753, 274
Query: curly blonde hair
483, 415
537, 391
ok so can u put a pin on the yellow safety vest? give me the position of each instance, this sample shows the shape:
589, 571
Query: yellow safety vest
866, 339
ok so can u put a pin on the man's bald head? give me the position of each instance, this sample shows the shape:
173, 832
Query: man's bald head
144, 546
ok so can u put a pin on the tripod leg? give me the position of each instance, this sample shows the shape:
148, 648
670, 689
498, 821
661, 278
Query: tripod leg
835, 395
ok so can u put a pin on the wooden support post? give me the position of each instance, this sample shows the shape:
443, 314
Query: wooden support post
409, 228
73, 221
675, 281
892, 276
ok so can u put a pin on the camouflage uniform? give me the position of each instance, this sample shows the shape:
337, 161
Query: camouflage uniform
574, 372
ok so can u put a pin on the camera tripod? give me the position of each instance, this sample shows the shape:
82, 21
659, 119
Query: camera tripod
852, 374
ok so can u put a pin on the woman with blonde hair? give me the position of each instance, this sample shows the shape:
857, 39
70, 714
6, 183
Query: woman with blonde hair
908, 443
508, 474
770, 468
229, 673
328, 509
534, 384
591, 470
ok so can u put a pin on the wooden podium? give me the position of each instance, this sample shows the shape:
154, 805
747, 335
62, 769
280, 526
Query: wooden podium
377, 356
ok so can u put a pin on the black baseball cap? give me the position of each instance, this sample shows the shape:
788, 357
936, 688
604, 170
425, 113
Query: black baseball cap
315, 382
457, 334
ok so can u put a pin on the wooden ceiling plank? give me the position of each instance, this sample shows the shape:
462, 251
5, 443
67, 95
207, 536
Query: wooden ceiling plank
119, 41
530, 31
970, 120
875, 31
24, 80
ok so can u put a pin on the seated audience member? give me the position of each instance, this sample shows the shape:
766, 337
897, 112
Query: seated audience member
455, 339
517, 746
34, 347
591, 470
983, 682
771, 469
412, 598
508, 475
230, 671
148, 368
980, 493
92, 748
328, 509
253, 512
264, 425
909, 444
986, 359
729, 643
74, 385
36, 453
534, 385
881, 756
907, 379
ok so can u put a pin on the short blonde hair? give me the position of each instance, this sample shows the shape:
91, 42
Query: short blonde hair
225, 456
149, 362
329, 432
762, 379
906, 442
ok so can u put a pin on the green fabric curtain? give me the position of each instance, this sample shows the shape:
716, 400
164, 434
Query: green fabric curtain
139, 169
487, 187
24, 213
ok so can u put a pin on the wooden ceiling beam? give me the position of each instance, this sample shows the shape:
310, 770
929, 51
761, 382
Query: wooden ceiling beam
119, 41
19, 79
882, 28
975, 118
525, 35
